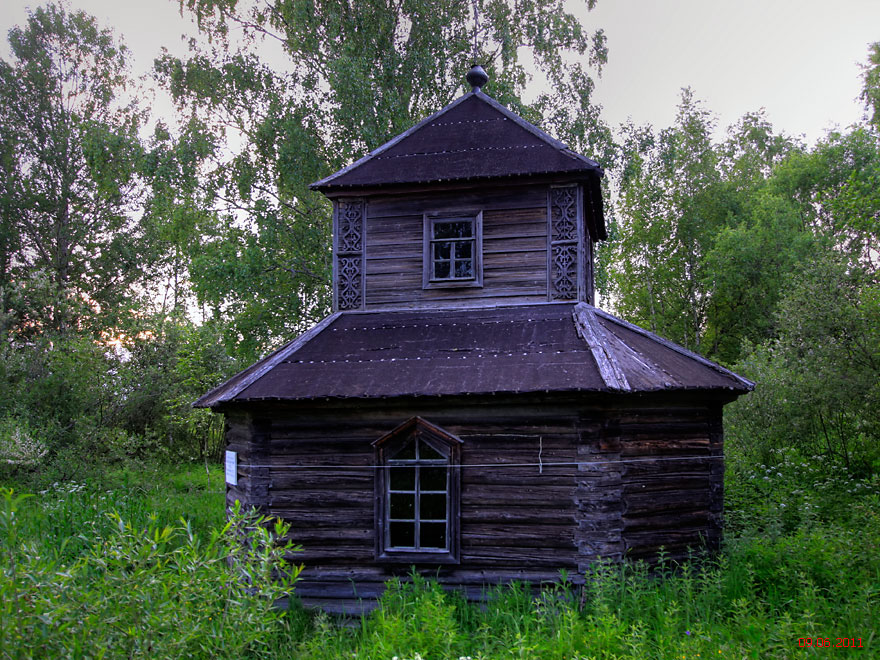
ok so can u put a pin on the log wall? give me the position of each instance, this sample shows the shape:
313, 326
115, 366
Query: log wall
521, 517
672, 496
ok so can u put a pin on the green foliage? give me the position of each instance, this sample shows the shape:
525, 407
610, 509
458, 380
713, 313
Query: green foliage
178, 206
800, 560
163, 591
180, 361
703, 240
762, 254
19, 444
66, 517
840, 184
382, 66
92, 344
871, 84
257, 254
51, 382
792, 492
818, 372
819, 379
71, 399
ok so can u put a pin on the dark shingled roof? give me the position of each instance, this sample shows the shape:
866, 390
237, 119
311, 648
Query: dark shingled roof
554, 347
474, 137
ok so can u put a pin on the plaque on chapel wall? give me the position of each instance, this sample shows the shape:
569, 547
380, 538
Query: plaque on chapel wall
232, 468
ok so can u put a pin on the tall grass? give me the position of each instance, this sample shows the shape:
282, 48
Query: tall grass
729, 607
161, 591
110, 569
66, 518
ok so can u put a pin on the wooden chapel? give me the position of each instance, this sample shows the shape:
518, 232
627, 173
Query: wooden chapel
466, 409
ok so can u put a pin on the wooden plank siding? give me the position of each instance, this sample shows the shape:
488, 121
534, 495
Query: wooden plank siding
522, 516
514, 247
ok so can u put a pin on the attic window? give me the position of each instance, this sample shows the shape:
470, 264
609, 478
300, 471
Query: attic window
453, 250
417, 494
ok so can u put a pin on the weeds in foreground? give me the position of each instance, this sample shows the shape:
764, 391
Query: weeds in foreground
162, 591
730, 607
80, 581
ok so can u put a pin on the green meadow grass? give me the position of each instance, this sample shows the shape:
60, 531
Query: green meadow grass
134, 564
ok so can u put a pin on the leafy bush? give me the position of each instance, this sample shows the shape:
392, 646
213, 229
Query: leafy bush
819, 381
67, 399
159, 592
791, 492
19, 444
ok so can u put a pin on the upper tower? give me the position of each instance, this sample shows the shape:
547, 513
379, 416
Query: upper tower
471, 206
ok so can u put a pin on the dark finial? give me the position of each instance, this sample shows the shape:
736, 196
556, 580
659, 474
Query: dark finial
476, 77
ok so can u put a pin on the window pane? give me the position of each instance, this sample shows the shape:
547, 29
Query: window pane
442, 250
403, 506
433, 478
403, 478
463, 250
406, 453
433, 507
403, 535
459, 229
464, 269
441, 269
433, 535
427, 452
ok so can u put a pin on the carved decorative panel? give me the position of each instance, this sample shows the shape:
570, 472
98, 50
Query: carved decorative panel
350, 240
564, 238
563, 212
351, 226
564, 271
349, 283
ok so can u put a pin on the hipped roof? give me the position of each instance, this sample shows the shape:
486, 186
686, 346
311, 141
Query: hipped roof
555, 347
472, 138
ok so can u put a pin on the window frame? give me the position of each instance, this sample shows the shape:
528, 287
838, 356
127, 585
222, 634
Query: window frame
428, 279
448, 446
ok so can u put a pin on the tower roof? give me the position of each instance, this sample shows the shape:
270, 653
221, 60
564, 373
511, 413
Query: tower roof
474, 137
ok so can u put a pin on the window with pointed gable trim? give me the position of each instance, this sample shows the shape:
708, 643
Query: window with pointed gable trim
453, 247
417, 494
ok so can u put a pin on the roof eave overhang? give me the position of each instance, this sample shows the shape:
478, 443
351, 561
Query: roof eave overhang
337, 190
721, 395
234, 386
590, 178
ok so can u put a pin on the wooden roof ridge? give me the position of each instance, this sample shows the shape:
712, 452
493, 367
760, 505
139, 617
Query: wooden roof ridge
587, 313
230, 388
590, 330
376, 153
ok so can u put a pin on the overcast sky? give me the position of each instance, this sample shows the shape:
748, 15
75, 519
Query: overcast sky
798, 59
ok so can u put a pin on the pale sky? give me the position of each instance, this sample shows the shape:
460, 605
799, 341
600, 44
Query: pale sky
798, 59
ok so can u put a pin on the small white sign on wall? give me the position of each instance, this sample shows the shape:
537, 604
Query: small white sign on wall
232, 468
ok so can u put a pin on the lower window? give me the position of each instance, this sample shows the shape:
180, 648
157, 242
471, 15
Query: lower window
417, 494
